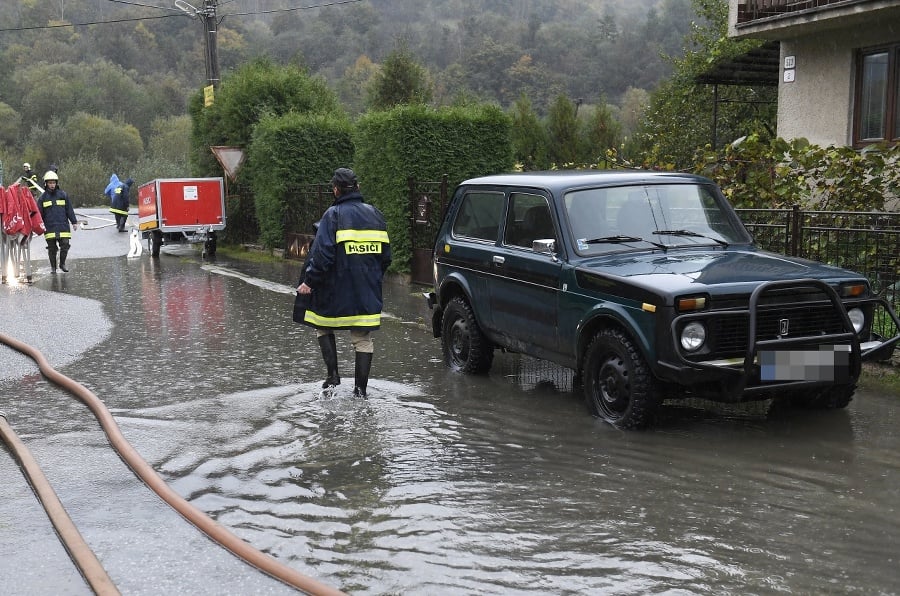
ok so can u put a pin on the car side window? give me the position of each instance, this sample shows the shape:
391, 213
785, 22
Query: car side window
479, 216
528, 219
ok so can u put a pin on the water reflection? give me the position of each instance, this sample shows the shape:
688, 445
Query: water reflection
500, 484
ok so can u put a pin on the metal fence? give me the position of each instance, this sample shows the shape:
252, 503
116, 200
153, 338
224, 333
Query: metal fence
306, 205
865, 242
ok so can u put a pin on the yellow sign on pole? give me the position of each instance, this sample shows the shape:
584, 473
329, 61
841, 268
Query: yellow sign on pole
208, 95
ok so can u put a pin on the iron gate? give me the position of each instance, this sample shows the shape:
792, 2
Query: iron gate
427, 201
306, 205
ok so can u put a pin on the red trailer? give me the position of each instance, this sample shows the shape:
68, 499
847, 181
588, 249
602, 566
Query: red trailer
181, 210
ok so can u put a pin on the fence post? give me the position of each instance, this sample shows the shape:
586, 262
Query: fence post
444, 187
795, 230
411, 186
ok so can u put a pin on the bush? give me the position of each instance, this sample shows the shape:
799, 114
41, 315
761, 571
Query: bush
289, 151
425, 143
780, 174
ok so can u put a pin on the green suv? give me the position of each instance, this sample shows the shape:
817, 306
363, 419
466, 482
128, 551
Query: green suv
650, 288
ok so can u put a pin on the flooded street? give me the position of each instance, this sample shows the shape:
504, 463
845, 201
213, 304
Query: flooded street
441, 483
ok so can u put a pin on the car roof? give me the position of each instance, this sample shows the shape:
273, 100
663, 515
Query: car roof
558, 180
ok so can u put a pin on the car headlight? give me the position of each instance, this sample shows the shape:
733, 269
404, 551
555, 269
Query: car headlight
857, 318
692, 336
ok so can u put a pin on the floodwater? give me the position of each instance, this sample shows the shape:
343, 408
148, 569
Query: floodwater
447, 484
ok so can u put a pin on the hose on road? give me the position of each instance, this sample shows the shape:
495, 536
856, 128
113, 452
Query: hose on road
148, 475
82, 555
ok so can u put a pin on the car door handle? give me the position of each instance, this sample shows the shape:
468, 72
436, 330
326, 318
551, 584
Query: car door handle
498, 260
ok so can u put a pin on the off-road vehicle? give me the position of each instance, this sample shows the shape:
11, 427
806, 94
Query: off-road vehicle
648, 285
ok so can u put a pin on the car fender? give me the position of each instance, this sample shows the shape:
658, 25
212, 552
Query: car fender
455, 284
612, 314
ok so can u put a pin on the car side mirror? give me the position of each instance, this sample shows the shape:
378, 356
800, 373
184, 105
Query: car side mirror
544, 245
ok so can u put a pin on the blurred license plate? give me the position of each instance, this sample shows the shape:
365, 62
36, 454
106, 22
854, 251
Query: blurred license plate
825, 363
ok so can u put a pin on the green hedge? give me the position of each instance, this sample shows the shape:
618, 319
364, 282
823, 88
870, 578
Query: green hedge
425, 143
289, 151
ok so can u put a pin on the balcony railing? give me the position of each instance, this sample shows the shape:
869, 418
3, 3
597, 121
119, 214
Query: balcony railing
753, 10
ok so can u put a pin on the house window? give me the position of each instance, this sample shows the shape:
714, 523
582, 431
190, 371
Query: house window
877, 113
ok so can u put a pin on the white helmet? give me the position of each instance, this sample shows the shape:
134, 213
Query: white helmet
26, 165
51, 175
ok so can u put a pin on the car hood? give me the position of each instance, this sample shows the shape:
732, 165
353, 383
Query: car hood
712, 271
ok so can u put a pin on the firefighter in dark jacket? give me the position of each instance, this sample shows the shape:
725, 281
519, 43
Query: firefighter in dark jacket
344, 277
57, 213
118, 192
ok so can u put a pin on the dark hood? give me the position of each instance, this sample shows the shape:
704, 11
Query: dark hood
712, 271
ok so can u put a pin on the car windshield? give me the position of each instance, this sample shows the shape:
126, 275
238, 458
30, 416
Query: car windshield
663, 216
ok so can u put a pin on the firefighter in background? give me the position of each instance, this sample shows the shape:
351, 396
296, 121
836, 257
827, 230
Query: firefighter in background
30, 179
57, 213
118, 192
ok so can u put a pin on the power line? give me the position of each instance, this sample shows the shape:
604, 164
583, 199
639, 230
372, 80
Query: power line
59, 25
179, 13
274, 10
143, 5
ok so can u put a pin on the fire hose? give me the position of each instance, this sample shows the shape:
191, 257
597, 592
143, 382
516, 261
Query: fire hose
148, 475
81, 554
109, 223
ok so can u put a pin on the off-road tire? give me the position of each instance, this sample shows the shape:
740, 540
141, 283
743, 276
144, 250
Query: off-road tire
465, 347
618, 384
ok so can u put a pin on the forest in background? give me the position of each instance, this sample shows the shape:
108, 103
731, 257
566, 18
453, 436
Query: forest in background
102, 85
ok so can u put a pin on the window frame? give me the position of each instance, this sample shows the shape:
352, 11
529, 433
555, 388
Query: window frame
891, 115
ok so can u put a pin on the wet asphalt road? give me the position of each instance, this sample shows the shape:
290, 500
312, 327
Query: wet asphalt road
438, 484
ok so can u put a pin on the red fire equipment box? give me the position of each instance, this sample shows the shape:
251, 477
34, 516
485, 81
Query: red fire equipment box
181, 210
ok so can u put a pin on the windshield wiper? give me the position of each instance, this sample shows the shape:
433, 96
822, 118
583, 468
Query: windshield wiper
691, 234
623, 240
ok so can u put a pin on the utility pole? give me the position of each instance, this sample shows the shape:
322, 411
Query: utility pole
207, 16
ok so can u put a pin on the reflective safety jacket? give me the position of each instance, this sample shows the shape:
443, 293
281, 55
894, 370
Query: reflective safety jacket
346, 266
57, 212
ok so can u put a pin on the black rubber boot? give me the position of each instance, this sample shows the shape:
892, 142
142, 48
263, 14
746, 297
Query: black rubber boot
363, 365
329, 354
62, 260
52, 256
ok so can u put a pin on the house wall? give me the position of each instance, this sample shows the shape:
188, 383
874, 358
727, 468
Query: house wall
818, 105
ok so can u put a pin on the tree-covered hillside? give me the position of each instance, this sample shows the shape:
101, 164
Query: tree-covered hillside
127, 69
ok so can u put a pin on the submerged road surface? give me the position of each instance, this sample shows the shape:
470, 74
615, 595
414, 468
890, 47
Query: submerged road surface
439, 483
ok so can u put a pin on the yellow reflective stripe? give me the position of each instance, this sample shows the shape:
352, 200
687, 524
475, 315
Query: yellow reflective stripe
362, 236
351, 321
119, 211
51, 202
52, 235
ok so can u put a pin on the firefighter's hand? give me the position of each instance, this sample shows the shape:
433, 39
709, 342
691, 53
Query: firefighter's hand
304, 289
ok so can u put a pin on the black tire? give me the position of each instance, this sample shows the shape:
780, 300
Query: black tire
618, 384
155, 239
831, 398
465, 347
210, 245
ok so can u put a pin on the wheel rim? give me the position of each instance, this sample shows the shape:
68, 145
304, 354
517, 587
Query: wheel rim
459, 342
613, 392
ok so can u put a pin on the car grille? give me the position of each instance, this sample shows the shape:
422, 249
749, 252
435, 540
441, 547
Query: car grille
808, 320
